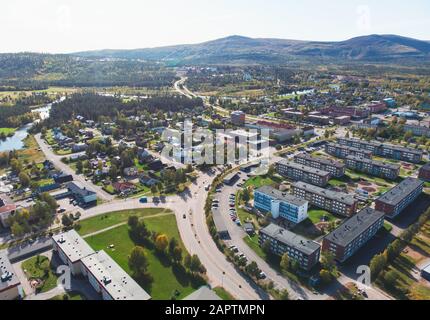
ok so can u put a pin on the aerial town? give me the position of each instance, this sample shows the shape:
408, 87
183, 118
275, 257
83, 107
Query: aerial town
93, 207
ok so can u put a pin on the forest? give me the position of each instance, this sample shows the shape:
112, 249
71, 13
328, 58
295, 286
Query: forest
92, 106
32, 70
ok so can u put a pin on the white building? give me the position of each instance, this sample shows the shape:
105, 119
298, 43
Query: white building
71, 249
110, 280
10, 286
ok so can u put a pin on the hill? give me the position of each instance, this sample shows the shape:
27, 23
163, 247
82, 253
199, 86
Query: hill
237, 49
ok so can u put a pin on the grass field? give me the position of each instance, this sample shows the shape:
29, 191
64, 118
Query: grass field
39, 267
7, 131
31, 152
259, 181
70, 296
166, 279
113, 218
223, 294
316, 216
407, 286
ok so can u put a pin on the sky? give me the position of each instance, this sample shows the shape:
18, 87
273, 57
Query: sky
64, 26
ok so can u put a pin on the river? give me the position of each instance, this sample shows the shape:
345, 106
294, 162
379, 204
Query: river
16, 142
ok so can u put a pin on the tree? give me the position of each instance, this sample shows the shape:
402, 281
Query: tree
153, 189
325, 276
266, 247
66, 220
390, 278
17, 229
285, 262
79, 166
252, 269
246, 196
113, 172
161, 243
284, 295
177, 255
196, 265
377, 264
24, 179
187, 261
138, 262
328, 261
133, 221
47, 198
173, 243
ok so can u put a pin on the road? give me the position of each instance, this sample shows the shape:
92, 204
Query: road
193, 230
195, 236
56, 160
237, 235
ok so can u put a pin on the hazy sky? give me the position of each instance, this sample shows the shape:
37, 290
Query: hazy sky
75, 25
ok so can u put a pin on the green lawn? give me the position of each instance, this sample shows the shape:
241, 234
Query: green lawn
223, 294
316, 216
39, 267
7, 131
259, 181
113, 218
70, 296
166, 280
252, 242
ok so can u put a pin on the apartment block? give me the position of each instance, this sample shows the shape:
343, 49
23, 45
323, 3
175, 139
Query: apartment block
384, 150
10, 286
393, 202
372, 167
335, 168
424, 173
353, 234
104, 274
280, 204
342, 151
298, 172
238, 118
302, 250
335, 202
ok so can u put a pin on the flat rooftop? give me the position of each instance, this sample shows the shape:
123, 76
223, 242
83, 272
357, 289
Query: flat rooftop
72, 245
333, 195
354, 226
301, 167
281, 196
384, 145
402, 190
342, 146
8, 278
113, 278
324, 161
291, 239
387, 165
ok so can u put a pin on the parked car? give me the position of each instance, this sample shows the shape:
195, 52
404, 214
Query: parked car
143, 200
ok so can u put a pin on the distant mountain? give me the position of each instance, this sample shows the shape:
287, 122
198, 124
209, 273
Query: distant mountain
237, 49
